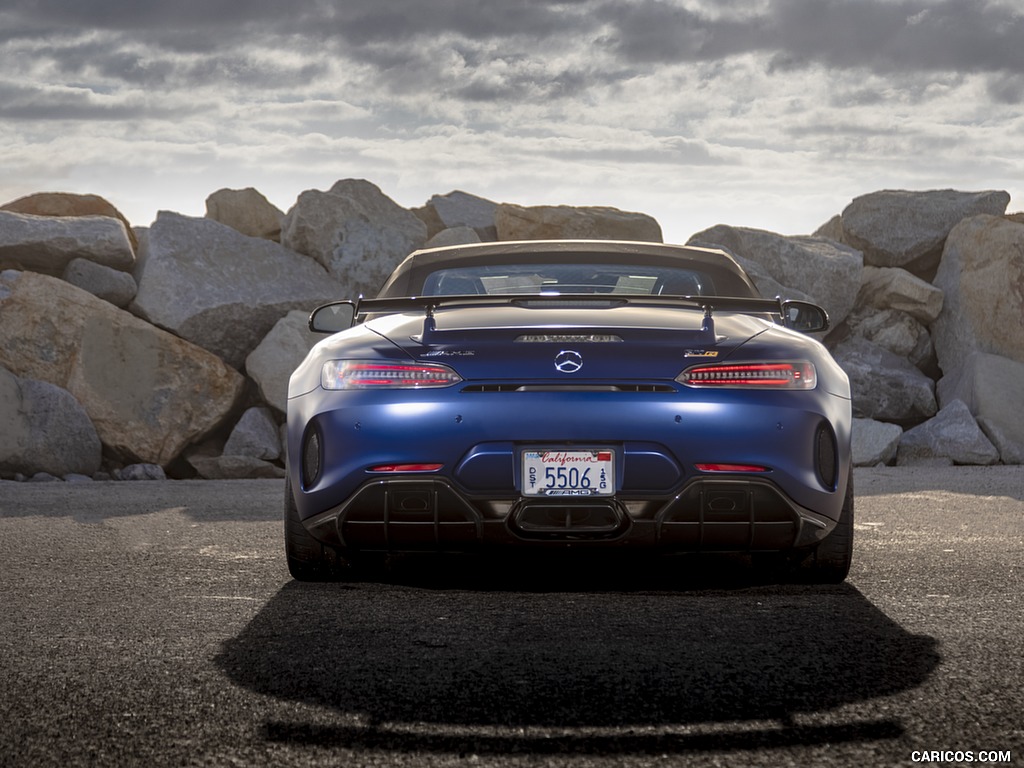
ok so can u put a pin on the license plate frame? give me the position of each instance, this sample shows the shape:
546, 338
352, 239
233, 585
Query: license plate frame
567, 472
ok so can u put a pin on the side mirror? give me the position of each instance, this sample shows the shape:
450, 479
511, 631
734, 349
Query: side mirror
332, 318
804, 317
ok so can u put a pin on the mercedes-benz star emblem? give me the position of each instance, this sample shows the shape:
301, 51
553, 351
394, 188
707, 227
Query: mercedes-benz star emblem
568, 361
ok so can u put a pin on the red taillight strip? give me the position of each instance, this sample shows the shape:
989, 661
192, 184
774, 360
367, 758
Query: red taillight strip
341, 374
730, 468
406, 468
413, 373
800, 375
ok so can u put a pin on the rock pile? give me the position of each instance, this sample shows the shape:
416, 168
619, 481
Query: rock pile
166, 350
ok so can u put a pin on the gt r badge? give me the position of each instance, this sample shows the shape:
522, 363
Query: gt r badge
451, 353
568, 361
700, 353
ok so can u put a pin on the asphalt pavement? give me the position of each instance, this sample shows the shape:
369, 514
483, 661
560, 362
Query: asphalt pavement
154, 623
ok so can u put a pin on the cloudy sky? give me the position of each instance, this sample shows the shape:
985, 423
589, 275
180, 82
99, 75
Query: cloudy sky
763, 113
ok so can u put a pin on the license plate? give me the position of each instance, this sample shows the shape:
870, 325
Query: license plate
569, 473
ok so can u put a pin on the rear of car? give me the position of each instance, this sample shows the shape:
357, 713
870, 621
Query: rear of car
584, 395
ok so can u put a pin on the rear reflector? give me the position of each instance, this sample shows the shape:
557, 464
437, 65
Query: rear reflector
795, 375
406, 468
730, 468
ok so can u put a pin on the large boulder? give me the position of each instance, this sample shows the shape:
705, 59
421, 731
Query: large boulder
255, 435
68, 204
217, 288
44, 429
817, 267
459, 209
982, 276
953, 435
148, 393
892, 329
565, 222
899, 228
47, 243
894, 288
271, 364
111, 285
874, 442
885, 387
993, 389
355, 231
453, 236
246, 211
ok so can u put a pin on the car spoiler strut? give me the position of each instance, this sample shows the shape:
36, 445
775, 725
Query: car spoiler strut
707, 304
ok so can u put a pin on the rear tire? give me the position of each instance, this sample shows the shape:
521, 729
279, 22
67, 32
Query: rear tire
829, 562
308, 559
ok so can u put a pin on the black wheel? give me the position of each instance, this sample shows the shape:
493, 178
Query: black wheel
829, 562
308, 559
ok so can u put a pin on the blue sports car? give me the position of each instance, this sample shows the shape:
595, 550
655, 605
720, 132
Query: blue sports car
557, 394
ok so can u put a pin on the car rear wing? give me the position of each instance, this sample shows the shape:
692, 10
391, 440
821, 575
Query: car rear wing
798, 315
429, 304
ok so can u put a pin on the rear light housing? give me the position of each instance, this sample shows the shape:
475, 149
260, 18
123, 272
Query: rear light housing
369, 374
766, 375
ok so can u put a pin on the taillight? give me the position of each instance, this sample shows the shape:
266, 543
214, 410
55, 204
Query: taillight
362, 374
795, 375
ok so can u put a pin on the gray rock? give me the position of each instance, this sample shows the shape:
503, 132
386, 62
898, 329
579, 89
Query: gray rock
982, 276
148, 393
894, 288
766, 284
140, 472
246, 211
822, 269
453, 236
565, 222
111, 285
271, 364
993, 389
47, 243
355, 231
885, 387
219, 289
832, 229
234, 468
44, 429
899, 228
874, 442
953, 434
255, 435
896, 331
459, 209
1005, 438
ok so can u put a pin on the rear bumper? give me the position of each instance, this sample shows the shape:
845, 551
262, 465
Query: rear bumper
709, 514
658, 439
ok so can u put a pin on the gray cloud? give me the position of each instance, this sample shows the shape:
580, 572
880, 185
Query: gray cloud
20, 102
405, 43
879, 35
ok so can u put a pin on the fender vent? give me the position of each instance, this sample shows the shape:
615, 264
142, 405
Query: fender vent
826, 460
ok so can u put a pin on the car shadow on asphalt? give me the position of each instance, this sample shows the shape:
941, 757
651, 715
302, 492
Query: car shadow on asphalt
485, 660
